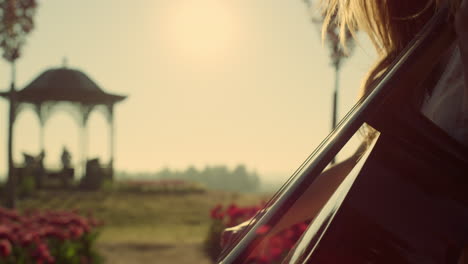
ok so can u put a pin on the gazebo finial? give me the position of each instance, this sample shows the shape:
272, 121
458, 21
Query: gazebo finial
65, 62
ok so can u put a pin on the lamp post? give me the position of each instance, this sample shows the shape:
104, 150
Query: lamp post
337, 53
12, 179
16, 20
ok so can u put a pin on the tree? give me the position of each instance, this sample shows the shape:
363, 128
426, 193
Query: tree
16, 22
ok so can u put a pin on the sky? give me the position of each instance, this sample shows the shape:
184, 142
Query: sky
209, 82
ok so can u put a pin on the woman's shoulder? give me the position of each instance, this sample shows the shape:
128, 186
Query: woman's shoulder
447, 105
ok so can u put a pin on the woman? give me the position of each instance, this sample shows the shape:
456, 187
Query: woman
391, 25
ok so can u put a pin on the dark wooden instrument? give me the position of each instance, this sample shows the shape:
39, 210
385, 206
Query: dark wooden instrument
405, 200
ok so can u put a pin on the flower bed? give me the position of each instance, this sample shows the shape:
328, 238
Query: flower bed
273, 250
47, 237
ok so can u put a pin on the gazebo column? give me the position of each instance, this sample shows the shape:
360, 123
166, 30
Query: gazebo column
41, 138
42, 119
84, 148
85, 112
111, 138
42, 111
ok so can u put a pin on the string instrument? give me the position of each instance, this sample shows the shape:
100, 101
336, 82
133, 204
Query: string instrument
403, 199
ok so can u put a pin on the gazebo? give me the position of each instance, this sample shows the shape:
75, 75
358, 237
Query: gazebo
65, 86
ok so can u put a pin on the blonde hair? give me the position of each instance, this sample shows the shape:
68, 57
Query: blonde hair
390, 24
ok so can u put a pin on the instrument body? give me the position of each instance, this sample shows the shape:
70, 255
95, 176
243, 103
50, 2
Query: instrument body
404, 205
406, 200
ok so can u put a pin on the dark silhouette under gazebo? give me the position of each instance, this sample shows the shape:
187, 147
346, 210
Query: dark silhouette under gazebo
54, 87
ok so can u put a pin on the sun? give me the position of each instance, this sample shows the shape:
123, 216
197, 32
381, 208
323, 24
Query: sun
202, 29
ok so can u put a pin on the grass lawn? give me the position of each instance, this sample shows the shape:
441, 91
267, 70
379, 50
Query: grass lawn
145, 226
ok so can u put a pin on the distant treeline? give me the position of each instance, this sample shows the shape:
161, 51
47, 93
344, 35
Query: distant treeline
213, 177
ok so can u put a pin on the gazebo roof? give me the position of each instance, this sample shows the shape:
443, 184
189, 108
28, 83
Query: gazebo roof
64, 84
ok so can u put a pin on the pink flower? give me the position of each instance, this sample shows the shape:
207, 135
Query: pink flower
6, 232
262, 230
5, 248
42, 254
54, 232
76, 232
216, 212
28, 237
275, 247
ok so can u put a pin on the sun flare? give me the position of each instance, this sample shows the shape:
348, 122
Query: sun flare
202, 29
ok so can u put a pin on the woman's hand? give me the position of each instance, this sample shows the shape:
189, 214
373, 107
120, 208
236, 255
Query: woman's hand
229, 234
